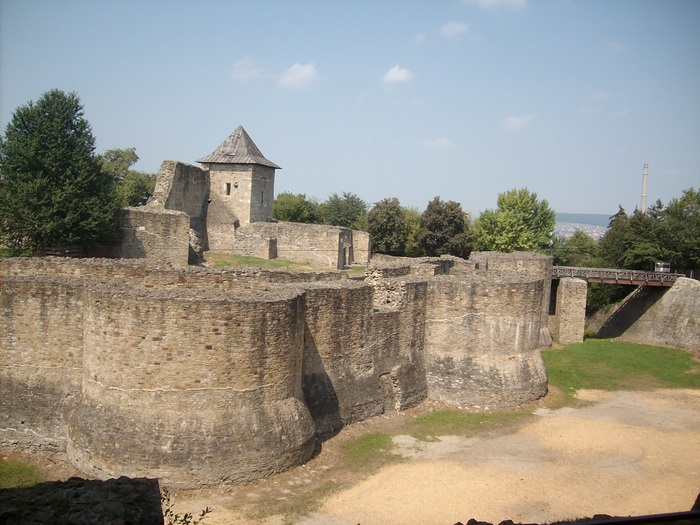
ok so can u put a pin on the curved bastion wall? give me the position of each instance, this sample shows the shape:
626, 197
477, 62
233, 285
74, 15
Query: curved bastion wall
198, 375
192, 389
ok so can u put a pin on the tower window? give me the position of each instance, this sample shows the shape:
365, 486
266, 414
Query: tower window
228, 188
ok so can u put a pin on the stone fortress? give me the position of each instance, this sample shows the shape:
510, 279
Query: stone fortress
226, 205
193, 375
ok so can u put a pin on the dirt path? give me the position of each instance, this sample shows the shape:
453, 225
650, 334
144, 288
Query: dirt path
623, 453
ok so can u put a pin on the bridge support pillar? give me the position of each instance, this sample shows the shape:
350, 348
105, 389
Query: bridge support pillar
567, 317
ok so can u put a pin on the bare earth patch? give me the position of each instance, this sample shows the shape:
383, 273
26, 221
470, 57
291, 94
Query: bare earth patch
620, 453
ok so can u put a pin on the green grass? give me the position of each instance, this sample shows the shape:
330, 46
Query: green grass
452, 422
17, 474
221, 260
603, 364
355, 270
369, 450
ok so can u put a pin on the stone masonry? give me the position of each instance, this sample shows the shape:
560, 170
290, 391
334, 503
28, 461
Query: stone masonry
229, 204
197, 376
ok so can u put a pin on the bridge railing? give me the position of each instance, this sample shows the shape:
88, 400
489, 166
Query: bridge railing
611, 275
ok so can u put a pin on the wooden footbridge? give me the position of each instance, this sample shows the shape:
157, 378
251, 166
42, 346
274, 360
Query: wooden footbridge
614, 276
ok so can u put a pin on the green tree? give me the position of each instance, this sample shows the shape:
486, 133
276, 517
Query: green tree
133, 187
411, 221
579, 250
680, 230
445, 229
293, 207
347, 211
53, 191
385, 224
520, 223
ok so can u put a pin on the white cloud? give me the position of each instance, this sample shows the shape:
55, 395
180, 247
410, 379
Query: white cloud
419, 38
492, 4
397, 75
244, 69
299, 76
441, 143
454, 29
517, 122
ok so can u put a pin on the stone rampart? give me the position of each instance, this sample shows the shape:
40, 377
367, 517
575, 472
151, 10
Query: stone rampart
482, 340
41, 333
567, 323
197, 375
154, 233
191, 390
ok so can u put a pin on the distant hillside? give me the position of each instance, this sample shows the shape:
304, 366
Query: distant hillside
594, 219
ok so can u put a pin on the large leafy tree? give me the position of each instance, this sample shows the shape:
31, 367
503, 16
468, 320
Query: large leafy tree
54, 192
347, 211
295, 207
521, 222
385, 224
445, 229
133, 187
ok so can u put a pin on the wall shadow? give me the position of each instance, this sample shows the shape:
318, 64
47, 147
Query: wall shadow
633, 307
319, 393
123, 500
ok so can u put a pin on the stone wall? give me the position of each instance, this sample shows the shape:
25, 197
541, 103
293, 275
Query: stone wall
184, 187
319, 245
659, 316
482, 340
191, 390
520, 263
568, 322
361, 247
154, 233
197, 375
41, 333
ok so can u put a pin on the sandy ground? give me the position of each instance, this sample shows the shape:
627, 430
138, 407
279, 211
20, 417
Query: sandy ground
621, 453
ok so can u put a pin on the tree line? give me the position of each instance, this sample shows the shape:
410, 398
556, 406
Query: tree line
55, 191
520, 222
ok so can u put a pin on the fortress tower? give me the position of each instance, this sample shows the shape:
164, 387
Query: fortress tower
241, 188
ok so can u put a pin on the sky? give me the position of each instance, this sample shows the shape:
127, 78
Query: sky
461, 99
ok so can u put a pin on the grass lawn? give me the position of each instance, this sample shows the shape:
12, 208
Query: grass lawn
222, 260
604, 364
17, 474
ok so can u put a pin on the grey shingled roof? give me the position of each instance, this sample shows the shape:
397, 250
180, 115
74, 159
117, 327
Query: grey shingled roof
239, 148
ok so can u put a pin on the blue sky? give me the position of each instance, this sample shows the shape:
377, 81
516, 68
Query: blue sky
462, 99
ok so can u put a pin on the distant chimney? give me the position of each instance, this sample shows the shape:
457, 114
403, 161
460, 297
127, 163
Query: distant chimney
645, 178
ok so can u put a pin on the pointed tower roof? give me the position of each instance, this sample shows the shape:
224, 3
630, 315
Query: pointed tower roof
239, 148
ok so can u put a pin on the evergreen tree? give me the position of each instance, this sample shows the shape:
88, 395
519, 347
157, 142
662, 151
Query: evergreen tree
53, 193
